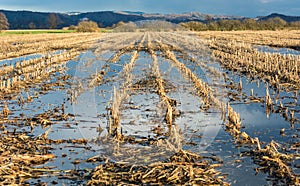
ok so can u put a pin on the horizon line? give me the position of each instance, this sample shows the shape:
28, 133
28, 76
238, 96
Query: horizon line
142, 12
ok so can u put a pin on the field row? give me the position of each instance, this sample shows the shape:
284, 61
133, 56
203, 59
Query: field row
279, 38
20, 45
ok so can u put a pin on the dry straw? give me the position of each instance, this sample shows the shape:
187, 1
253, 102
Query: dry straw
236, 52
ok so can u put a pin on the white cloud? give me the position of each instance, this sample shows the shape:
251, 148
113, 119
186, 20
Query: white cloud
264, 1
269, 1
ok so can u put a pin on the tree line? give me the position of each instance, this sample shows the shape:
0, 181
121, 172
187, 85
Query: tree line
53, 21
148, 25
275, 23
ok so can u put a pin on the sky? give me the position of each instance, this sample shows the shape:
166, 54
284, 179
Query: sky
247, 8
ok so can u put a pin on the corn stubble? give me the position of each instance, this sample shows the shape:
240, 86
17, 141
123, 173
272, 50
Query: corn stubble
19, 152
182, 167
236, 52
278, 70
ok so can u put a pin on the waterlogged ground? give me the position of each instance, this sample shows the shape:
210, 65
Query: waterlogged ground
120, 77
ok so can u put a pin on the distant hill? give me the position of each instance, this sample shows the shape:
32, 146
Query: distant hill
40, 20
22, 19
190, 16
284, 17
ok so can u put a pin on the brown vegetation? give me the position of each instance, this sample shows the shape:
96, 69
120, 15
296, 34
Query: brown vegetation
19, 152
279, 38
170, 172
180, 169
3, 22
19, 155
19, 45
236, 52
87, 26
275, 23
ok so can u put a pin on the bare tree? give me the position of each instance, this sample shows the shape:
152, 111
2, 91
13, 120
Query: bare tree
158, 25
120, 23
208, 19
32, 25
250, 24
127, 27
3, 22
87, 26
52, 20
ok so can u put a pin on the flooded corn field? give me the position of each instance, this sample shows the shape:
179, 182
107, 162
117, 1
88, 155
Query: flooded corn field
149, 108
